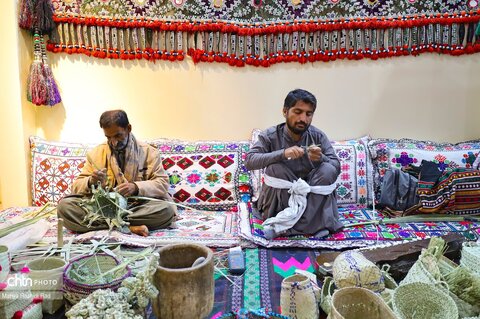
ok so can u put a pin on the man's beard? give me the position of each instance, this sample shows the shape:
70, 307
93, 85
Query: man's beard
120, 144
298, 131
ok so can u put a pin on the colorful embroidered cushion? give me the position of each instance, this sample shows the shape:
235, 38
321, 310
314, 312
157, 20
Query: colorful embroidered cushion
202, 174
206, 175
388, 153
54, 167
353, 183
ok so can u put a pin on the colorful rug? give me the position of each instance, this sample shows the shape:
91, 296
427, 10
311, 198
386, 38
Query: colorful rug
260, 285
263, 32
353, 237
211, 228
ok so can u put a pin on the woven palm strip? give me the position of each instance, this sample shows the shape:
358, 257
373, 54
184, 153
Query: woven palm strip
356, 303
422, 300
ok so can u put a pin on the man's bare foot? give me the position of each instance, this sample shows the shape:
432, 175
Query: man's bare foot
141, 230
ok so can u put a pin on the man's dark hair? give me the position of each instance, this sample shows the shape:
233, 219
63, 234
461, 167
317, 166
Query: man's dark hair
114, 117
300, 95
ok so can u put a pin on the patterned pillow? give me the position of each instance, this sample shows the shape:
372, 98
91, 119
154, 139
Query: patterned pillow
54, 167
206, 175
388, 153
355, 179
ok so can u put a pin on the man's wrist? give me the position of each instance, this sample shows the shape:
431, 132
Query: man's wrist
135, 192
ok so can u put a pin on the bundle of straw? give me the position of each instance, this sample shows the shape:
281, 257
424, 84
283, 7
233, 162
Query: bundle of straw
42, 213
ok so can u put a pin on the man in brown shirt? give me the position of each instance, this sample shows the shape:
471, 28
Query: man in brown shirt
132, 168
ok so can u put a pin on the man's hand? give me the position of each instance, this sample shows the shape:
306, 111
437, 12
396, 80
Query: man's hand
127, 189
99, 176
314, 153
294, 152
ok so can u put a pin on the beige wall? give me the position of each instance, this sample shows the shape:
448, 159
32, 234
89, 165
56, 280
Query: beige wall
427, 97
17, 118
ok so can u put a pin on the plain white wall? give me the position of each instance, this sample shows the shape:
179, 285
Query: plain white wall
431, 97
427, 97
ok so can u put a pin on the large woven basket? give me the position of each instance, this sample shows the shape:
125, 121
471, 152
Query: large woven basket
422, 300
359, 303
75, 289
471, 256
425, 270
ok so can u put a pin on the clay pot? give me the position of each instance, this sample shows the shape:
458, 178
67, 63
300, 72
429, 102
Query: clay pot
185, 291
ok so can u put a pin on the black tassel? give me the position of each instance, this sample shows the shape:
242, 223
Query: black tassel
44, 16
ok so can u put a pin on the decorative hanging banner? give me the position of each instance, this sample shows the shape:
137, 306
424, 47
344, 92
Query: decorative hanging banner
264, 32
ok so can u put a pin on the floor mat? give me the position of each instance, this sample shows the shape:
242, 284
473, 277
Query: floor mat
211, 228
352, 237
260, 285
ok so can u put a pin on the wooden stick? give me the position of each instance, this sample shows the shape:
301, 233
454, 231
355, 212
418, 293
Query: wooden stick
60, 233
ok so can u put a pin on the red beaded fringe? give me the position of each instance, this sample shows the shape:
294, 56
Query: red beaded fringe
265, 44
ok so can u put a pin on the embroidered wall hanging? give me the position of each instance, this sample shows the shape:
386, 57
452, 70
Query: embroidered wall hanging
264, 32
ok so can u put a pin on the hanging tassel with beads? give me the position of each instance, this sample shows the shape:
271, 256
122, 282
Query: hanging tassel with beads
53, 95
36, 85
26, 15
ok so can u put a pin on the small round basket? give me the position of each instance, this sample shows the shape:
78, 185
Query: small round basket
357, 302
422, 300
80, 272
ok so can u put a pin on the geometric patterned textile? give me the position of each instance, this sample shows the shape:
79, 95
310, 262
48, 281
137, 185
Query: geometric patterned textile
457, 192
206, 175
54, 166
262, 33
359, 236
353, 182
211, 228
392, 153
260, 285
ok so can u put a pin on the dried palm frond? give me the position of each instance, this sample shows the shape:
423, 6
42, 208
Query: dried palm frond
33, 218
106, 207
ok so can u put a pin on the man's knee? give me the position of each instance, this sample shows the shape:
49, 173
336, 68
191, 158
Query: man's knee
164, 217
325, 174
279, 170
65, 205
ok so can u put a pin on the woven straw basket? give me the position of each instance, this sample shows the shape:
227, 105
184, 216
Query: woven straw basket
352, 269
46, 274
297, 298
358, 303
471, 256
422, 300
76, 289
425, 270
